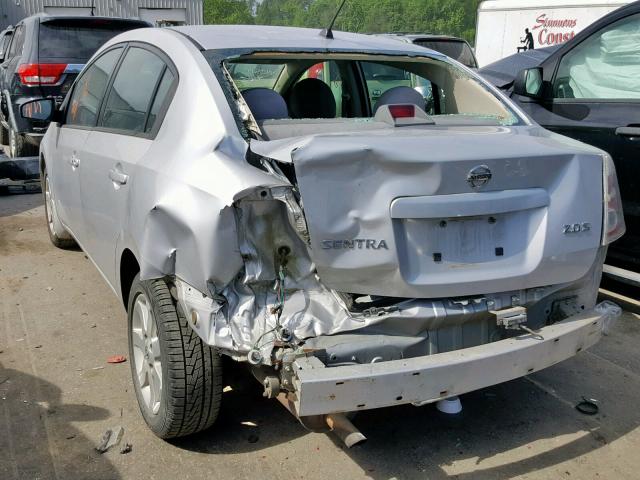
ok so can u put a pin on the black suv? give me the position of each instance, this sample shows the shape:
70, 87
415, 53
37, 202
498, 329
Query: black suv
44, 57
589, 89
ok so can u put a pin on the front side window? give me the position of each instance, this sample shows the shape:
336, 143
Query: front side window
89, 90
133, 88
605, 66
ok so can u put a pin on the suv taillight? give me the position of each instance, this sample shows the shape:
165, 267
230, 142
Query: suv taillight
613, 226
32, 74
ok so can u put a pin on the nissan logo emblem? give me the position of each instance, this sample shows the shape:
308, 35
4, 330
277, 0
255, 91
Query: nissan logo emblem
479, 176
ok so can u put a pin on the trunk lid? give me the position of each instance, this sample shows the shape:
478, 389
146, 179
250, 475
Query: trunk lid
445, 212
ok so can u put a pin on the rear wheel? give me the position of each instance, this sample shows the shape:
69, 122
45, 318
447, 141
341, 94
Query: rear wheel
19, 147
57, 233
177, 378
4, 135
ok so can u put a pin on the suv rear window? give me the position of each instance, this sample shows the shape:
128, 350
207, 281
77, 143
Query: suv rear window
77, 40
455, 49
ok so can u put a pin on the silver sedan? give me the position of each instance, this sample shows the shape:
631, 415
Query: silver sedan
363, 222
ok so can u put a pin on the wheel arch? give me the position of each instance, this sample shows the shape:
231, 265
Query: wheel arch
129, 268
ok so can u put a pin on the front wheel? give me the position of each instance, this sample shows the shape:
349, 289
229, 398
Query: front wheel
19, 147
176, 376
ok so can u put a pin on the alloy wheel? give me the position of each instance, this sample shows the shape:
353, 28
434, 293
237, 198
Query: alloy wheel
146, 353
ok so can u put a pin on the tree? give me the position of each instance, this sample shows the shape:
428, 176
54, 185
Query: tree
451, 17
234, 12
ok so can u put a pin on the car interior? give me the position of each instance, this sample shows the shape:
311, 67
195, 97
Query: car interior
290, 96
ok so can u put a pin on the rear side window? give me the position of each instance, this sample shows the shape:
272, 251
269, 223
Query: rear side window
88, 92
162, 95
18, 41
4, 43
73, 40
129, 99
455, 49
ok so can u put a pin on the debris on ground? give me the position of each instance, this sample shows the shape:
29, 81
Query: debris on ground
117, 359
111, 438
588, 406
126, 449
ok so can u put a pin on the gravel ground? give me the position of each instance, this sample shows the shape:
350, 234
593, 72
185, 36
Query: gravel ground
59, 322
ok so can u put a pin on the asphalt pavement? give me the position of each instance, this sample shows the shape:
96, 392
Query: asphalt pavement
59, 322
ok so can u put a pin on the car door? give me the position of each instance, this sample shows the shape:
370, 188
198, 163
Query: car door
129, 121
593, 95
81, 116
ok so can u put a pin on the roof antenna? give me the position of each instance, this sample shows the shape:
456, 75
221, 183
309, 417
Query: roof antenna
93, 3
328, 32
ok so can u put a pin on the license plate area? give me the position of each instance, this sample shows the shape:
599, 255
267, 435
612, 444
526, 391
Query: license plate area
451, 246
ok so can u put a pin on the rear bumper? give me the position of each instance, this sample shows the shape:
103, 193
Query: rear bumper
323, 390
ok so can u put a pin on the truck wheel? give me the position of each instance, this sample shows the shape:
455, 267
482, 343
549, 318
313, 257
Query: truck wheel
19, 147
57, 233
176, 376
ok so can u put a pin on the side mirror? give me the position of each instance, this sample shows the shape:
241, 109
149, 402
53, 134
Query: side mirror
528, 83
43, 109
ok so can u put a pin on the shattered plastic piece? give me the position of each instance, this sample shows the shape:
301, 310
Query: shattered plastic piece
111, 438
610, 312
117, 359
126, 449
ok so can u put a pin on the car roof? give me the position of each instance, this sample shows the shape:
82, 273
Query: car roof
259, 37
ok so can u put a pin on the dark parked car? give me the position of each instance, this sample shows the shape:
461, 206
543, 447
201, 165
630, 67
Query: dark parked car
43, 58
589, 89
454, 47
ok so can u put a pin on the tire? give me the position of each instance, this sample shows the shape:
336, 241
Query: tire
188, 377
57, 233
4, 135
19, 147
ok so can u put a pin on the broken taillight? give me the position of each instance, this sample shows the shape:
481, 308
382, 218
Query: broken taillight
613, 226
32, 74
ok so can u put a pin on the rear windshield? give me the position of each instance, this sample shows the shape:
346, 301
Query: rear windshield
455, 49
77, 40
353, 87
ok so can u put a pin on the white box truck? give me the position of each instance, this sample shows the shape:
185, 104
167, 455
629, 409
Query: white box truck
505, 27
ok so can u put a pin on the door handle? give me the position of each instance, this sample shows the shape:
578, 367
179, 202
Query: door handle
628, 131
118, 177
74, 161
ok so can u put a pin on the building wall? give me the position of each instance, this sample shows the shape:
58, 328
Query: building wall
12, 11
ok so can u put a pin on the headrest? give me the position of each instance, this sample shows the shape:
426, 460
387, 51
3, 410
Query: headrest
312, 98
401, 95
265, 103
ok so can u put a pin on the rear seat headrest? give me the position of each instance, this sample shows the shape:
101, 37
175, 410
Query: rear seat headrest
401, 95
265, 104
